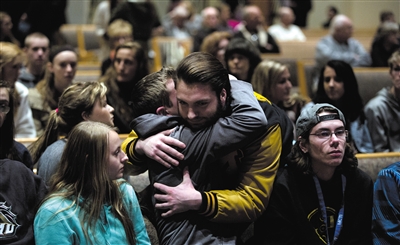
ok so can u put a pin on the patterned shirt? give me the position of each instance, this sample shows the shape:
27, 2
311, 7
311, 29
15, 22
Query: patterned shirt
386, 206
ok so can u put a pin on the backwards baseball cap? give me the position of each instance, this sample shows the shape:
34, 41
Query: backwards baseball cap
309, 118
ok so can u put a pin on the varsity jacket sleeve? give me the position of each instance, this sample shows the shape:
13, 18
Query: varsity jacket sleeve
257, 173
137, 163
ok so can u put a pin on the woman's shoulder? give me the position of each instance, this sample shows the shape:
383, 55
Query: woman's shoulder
55, 205
35, 98
55, 149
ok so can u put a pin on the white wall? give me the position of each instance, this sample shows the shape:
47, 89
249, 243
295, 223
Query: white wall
365, 14
77, 11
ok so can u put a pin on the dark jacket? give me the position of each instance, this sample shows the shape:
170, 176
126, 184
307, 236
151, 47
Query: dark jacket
21, 191
293, 215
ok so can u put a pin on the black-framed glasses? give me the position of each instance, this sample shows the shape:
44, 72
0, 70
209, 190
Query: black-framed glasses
4, 108
326, 134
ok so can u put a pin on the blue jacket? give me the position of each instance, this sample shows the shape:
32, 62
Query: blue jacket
57, 222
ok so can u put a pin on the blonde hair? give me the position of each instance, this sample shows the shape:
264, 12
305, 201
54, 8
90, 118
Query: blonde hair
8, 53
76, 99
266, 75
119, 27
83, 173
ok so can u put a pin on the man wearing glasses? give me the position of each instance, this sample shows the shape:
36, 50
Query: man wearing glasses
320, 196
383, 112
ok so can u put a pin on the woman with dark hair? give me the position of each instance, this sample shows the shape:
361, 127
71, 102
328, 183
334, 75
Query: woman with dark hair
338, 86
129, 66
88, 201
9, 148
241, 58
60, 72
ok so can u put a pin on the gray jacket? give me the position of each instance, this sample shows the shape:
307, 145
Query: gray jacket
383, 114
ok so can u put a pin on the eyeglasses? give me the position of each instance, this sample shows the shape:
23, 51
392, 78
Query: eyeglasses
326, 134
4, 108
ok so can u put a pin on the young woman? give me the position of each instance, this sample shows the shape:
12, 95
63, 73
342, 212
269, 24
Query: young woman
88, 202
60, 72
10, 64
129, 66
338, 86
241, 58
82, 101
272, 80
9, 148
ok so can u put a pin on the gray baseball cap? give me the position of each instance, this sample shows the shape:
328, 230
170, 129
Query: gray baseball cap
309, 118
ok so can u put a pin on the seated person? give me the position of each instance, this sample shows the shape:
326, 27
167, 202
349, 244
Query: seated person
60, 72
11, 57
383, 112
36, 50
386, 208
174, 23
241, 58
82, 101
9, 148
128, 67
385, 44
88, 201
272, 80
252, 28
118, 32
320, 196
21, 192
285, 30
338, 86
339, 45
331, 12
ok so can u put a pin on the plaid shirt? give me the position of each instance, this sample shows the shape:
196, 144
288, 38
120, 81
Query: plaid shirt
386, 206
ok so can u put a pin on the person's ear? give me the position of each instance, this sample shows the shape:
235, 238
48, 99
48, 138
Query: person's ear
303, 145
50, 67
223, 97
85, 116
161, 111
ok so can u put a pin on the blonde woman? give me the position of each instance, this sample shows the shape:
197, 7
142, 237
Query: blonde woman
88, 201
82, 101
272, 80
11, 57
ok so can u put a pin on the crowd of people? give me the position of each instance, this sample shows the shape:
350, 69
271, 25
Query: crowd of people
233, 155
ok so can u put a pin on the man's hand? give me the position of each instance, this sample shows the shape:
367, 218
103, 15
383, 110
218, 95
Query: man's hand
178, 199
159, 147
